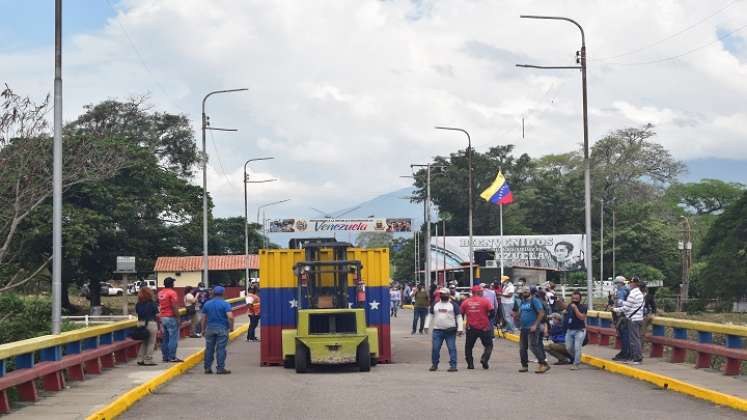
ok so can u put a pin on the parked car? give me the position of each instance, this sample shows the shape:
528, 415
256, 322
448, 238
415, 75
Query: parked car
135, 287
108, 290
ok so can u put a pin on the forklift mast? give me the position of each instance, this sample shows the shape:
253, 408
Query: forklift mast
324, 284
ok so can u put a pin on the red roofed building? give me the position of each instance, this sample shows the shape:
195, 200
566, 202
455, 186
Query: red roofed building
224, 269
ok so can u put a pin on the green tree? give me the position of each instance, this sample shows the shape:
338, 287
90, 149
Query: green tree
374, 240
706, 196
724, 254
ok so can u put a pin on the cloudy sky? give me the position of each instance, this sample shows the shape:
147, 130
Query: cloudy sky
345, 94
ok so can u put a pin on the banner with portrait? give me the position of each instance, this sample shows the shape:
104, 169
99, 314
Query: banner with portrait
553, 252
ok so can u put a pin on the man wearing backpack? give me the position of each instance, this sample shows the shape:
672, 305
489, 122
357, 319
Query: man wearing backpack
446, 320
632, 312
531, 314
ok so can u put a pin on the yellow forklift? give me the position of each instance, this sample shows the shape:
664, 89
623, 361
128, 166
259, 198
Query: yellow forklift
330, 330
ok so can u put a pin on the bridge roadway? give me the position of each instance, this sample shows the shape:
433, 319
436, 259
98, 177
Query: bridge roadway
405, 389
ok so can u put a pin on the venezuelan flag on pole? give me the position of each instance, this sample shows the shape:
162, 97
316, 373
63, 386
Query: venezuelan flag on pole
498, 192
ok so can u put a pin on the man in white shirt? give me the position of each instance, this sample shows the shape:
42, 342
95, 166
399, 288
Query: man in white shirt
507, 301
632, 310
446, 320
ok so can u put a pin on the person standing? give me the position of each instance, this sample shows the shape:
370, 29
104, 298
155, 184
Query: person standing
446, 320
620, 295
632, 312
168, 305
147, 311
507, 302
407, 294
575, 322
395, 296
531, 313
217, 322
479, 316
489, 294
254, 310
190, 304
421, 301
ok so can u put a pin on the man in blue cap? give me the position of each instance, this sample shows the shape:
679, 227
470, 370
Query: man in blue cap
217, 322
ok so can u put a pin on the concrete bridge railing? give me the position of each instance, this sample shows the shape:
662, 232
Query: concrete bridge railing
50, 360
681, 336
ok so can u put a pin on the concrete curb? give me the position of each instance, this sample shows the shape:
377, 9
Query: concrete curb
663, 382
128, 399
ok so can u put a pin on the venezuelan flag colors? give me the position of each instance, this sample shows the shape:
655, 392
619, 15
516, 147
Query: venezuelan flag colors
498, 192
279, 297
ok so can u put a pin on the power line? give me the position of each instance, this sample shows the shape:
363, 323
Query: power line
220, 163
667, 38
142, 61
674, 57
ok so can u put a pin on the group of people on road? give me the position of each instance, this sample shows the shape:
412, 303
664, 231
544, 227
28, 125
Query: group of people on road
535, 312
210, 315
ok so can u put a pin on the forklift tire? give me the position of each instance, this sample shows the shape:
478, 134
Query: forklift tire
302, 358
289, 363
363, 357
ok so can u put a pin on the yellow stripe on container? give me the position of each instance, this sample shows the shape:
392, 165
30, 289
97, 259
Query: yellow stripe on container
276, 266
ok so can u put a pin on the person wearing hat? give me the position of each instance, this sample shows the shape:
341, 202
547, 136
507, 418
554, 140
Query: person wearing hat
445, 318
479, 315
168, 306
507, 303
632, 318
617, 301
217, 322
531, 312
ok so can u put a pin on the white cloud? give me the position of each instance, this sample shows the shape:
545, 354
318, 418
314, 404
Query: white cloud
345, 94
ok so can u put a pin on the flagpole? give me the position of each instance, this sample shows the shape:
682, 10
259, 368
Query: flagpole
501, 243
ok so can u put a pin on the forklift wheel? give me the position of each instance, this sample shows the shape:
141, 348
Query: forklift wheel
363, 357
289, 363
302, 358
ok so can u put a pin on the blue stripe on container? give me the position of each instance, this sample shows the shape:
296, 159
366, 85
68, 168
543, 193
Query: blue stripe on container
277, 309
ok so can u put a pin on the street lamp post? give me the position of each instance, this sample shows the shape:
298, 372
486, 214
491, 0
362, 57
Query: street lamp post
427, 219
581, 60
57, 175
205, 127
471, 204
246, 213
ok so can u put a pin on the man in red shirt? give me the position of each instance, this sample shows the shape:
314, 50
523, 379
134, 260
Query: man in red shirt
478, 311
168, 305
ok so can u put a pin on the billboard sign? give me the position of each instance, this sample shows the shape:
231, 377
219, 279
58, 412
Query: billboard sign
126, 265
299, 225
552, 252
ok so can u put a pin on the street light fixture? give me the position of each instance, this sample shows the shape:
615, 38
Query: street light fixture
205, 127
246, 212
471, 204
581, 61
259, 209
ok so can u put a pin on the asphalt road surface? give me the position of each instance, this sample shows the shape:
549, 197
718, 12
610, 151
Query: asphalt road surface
406, 390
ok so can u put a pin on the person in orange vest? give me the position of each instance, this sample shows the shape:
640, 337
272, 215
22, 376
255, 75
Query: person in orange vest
360, 294
254, 309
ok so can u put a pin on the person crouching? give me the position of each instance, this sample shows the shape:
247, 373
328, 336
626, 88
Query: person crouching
446, 320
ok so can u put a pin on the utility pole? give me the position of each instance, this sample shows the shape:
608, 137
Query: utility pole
205, 127
57, 175
471, 206
685, 246
246, 213
581, 60
614, 269
601, 242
